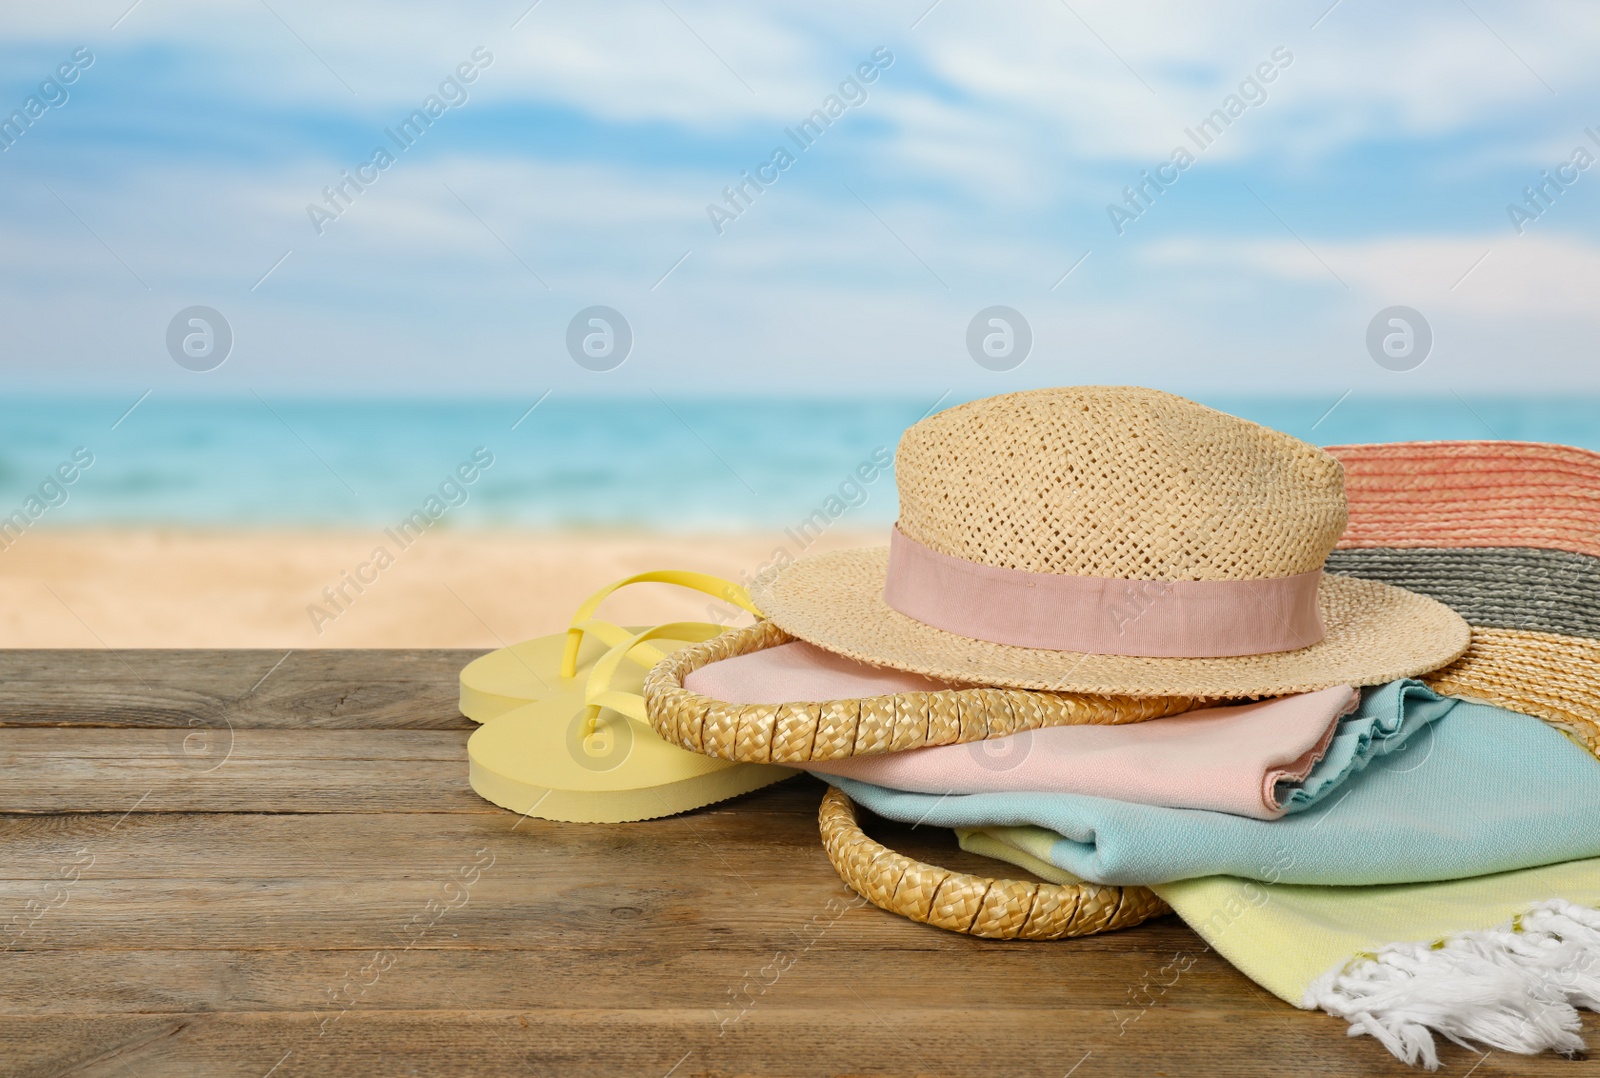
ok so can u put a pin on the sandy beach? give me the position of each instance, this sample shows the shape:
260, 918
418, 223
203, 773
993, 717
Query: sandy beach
164, 588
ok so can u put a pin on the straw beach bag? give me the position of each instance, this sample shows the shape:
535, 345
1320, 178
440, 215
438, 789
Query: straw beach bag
795, 733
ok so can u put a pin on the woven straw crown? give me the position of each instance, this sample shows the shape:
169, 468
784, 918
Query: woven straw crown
1118, 482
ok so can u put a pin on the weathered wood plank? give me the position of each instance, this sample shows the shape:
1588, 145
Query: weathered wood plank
560, 905
853, 1037
245, 689
185, 770
39, 746
524, 973
186, 845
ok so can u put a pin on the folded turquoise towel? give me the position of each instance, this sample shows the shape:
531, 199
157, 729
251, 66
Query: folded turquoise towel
1365, 735
1478, 790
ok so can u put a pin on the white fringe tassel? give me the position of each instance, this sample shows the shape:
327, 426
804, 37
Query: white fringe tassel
1514, 988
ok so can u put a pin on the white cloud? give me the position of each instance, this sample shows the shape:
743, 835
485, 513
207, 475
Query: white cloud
1362, 73
1503, 276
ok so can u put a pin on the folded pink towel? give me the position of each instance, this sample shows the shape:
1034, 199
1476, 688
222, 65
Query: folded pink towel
798, 672
1241, 760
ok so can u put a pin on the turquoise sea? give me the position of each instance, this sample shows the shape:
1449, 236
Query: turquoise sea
649, 462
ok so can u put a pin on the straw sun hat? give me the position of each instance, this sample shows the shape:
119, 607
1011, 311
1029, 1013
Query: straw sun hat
1112, 540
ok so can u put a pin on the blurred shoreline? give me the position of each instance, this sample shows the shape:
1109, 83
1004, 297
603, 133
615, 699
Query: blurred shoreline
141, 587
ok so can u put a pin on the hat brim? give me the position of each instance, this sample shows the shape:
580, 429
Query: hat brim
1374, 633
1472, 494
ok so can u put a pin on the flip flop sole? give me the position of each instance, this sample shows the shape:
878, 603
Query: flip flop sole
535, 760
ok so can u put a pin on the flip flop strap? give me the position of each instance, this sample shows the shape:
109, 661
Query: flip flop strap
611, 634
583, 619
598, 692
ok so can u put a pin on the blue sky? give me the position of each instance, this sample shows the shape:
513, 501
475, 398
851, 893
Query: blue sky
976, 172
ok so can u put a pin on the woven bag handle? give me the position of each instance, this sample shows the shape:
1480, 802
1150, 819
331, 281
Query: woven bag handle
797, 733
975, 905
583, 619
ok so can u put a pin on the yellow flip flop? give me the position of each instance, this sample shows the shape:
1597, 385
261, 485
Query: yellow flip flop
554, 667
601, 761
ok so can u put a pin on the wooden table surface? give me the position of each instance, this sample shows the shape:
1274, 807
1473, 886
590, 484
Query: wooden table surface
225, 863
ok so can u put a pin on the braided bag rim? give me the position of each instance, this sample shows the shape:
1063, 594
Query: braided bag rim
797, 733
973, 905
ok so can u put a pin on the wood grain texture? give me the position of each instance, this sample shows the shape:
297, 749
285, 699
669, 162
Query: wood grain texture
329, 690
210, 769
328, 897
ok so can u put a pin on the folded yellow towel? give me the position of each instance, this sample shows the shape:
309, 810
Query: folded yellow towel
1503, 960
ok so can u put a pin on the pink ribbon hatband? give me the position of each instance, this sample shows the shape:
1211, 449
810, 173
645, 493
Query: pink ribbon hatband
1191, 619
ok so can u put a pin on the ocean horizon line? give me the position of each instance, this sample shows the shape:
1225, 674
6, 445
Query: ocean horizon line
559, 462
